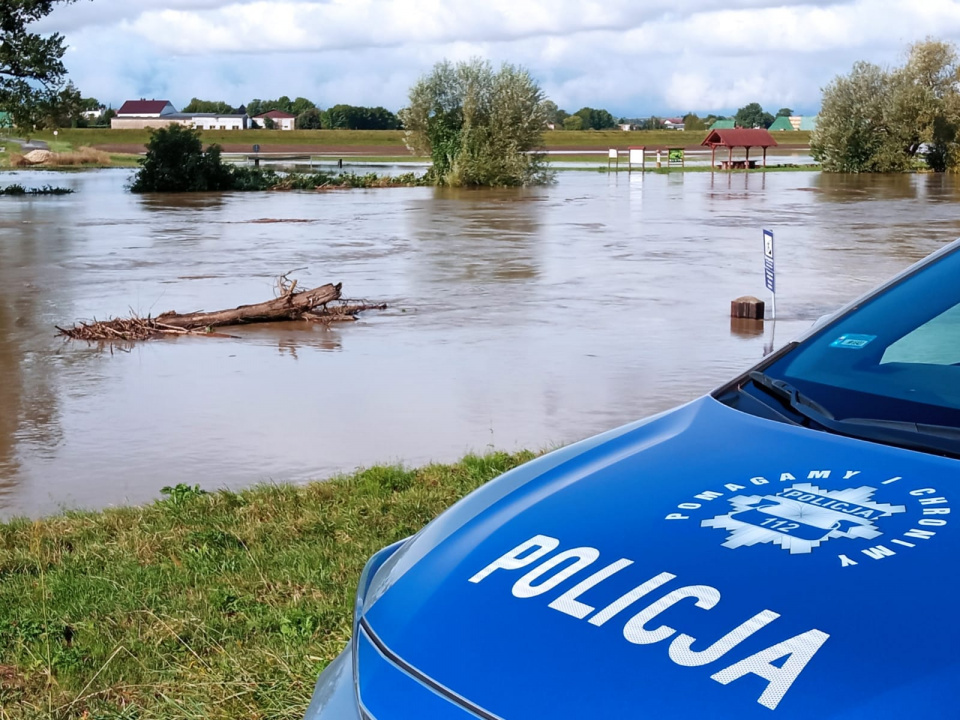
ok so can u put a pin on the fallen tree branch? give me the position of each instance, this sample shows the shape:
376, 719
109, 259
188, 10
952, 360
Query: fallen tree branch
342, 311
313, 305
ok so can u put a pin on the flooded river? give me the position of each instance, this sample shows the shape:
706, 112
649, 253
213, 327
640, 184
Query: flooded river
517, 318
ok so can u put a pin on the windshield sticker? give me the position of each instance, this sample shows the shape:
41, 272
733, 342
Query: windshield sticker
800, 517
852, 341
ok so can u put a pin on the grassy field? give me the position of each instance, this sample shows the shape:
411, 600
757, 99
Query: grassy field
220, 605
103, 136
648, 138
559, 139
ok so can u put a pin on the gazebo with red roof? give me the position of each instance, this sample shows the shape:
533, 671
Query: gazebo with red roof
738, 137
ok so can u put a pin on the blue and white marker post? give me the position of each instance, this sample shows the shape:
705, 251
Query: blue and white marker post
769, 270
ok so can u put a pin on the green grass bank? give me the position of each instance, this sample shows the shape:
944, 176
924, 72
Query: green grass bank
598, 139
202, 605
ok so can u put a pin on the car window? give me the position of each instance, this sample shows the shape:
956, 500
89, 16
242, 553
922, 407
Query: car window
936, 342
896, 357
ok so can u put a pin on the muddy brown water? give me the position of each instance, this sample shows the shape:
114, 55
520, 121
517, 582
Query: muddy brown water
518, 318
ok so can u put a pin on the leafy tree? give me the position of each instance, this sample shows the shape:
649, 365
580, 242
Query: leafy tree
573, 122
925, 103
553, 114
269, 123
299, 106
309, 120
692, 121
594, 119
753, 116
351, 117
283, 104
874, 120
852, 128
31, 66
784, 112
479, 126
176, 162
208, 106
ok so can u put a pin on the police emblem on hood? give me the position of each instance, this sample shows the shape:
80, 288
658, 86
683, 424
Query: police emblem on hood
799, 516
803, 517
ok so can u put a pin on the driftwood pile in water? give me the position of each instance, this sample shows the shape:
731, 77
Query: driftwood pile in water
322, 304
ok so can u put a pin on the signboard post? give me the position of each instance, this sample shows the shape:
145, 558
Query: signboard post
637, 155
613, 154
769, 270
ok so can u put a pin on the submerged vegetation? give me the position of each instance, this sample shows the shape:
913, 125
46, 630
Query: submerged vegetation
203, 604
177, 162
17, 189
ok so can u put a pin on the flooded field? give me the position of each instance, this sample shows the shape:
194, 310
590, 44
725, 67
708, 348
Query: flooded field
521, 318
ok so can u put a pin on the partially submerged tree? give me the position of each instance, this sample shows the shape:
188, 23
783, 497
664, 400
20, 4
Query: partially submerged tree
852, 133
31, 65
874, 120
479, 126
176, 162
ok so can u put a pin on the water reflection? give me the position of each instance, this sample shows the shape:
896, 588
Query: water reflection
746, 328
471, 236
182, 202
853, 188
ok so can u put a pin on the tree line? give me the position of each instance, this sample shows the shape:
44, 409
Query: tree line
309, 116
893, 120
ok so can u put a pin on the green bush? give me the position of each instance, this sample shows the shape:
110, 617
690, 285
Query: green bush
479, 126
176, 162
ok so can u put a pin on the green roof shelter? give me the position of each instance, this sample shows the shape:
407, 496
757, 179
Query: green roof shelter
722, 125
809, 122
5, 121
781, 123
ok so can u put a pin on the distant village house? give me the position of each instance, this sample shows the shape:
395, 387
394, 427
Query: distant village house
141, 114
281, 120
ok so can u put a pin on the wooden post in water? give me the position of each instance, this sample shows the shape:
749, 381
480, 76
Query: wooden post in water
747, 307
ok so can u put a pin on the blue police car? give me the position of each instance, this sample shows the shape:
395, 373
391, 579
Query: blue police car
781, 548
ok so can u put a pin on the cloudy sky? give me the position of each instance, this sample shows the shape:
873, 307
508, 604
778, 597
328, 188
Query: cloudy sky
633, 57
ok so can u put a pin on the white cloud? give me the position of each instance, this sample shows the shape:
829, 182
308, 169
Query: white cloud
634, 58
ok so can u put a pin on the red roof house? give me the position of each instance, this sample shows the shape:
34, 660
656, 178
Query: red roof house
146, 108
282, 120
275, 115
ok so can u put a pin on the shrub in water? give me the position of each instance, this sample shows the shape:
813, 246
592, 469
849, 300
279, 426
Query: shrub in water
176, 162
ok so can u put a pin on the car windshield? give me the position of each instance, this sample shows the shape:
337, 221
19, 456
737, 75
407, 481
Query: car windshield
894, 358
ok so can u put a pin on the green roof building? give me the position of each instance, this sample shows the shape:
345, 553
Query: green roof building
722, 125
5, 121
809, 122
781, 123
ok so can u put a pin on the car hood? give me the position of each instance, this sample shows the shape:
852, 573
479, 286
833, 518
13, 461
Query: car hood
706, 563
